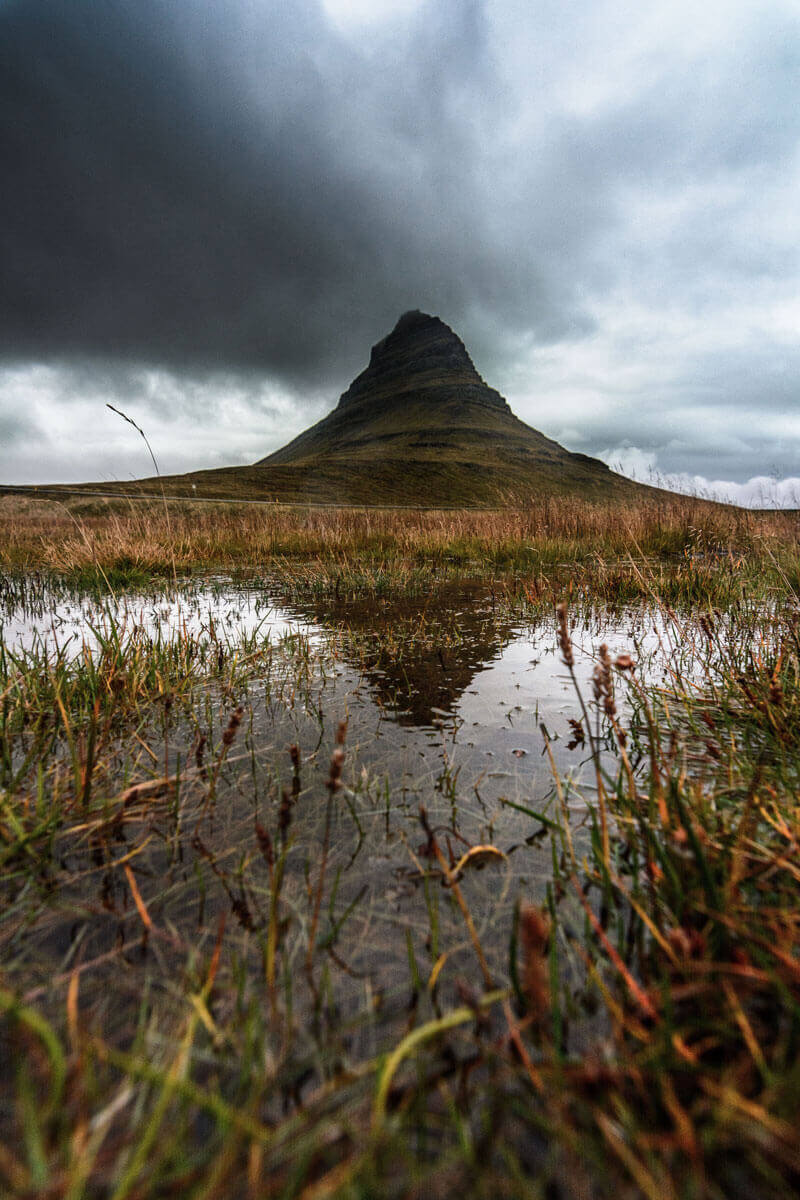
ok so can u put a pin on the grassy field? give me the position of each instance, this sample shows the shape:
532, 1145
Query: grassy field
189, 1002
74, 535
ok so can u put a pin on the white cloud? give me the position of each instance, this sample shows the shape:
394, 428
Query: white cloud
355, 15
762, 491
70, 435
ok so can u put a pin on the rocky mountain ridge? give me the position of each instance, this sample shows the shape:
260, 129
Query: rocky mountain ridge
420, 354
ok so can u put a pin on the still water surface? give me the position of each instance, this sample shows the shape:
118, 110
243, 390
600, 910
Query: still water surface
448, 701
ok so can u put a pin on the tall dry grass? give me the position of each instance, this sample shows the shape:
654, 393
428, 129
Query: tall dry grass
71, 536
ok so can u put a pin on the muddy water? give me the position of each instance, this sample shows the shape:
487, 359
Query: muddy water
447, 702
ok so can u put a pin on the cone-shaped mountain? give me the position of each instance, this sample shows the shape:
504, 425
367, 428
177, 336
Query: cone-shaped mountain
420, 382
417, 427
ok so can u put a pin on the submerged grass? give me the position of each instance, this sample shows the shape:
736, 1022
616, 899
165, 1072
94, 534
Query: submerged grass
630, 1029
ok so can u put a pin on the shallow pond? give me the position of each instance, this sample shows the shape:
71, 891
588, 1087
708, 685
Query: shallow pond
450, 703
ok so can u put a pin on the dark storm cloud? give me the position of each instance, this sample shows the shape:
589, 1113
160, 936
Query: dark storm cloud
209, 212
235, 185
151, 392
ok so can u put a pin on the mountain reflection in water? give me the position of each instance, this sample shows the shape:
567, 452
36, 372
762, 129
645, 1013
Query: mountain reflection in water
444, 697
420, 653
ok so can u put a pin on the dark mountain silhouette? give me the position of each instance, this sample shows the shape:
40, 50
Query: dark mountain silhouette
420, 382
418, 426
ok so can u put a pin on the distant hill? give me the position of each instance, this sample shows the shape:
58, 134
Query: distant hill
417, 427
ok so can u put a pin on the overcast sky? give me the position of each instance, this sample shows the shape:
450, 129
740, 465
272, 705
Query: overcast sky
210, 212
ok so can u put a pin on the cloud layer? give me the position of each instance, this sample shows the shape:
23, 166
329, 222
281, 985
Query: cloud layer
203, 203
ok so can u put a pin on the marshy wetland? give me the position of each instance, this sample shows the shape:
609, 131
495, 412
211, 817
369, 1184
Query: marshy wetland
364, 854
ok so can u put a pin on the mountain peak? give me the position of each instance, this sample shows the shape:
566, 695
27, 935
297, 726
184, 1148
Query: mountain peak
418, 335
420, 357
414, 320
